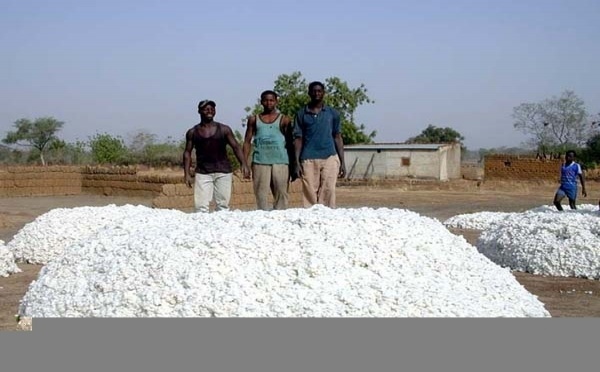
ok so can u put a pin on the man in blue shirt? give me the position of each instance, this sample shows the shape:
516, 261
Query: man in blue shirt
319, 149
569, 172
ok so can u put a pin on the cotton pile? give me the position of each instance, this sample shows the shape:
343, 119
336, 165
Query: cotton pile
7, 261
314, 262
477, 221
43, 239
485, 220
550, 243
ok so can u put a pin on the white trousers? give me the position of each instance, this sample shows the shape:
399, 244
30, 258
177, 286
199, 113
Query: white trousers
207, 185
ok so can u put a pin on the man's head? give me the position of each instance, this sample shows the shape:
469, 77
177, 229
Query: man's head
570, 156
316, 91
207, 109
268, 100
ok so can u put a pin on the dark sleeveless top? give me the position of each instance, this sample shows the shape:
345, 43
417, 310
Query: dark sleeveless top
211, 152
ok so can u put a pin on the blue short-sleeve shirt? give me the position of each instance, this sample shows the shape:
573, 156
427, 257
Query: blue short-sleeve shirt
317, 131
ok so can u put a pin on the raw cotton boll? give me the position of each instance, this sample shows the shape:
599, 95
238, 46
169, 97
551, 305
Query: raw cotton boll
46, 237
550, 243
7, 261
315, 262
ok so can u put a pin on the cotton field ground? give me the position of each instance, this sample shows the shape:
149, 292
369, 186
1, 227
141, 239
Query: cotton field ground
561, 296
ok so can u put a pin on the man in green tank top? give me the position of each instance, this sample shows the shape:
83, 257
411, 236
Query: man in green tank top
272, 145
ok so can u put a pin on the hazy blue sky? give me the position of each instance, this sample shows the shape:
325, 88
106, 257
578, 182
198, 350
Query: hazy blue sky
121, 66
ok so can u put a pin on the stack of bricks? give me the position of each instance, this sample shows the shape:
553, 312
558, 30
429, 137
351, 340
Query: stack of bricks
121, 181
40, 181
167, 190
514, 167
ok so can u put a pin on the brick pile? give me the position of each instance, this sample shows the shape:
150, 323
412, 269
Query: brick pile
167, 190
121, 181
40, 180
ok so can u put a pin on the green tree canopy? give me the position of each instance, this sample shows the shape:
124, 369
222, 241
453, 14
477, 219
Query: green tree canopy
555, 123
433, 134
107, 149
37, 134
293, 94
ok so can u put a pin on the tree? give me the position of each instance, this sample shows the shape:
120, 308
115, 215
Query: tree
555, 123
107, 149
37, 134
433, 134
61, 152
293, 94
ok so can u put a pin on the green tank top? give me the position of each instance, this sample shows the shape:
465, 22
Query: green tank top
269, 143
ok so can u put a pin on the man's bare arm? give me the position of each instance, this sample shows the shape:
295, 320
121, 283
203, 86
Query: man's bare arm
339, 148
187, 157
237, 150
250, 133
582, 180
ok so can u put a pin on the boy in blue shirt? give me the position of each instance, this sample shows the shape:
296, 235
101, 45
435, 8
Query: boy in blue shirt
569, 172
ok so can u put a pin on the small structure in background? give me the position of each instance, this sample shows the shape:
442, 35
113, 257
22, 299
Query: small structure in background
401, 160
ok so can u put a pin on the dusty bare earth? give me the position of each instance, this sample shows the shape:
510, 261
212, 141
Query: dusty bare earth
563, 297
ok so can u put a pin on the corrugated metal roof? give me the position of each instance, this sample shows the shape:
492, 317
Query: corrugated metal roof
397, 146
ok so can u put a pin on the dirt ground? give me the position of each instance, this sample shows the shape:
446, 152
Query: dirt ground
563, 297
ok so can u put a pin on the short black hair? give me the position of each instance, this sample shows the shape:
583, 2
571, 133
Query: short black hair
571, 151
314, 84
267, 92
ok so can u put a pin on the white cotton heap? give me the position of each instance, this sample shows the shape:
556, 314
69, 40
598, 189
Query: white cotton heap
7, 261
314, 262
46, 237
552, 243
476, 221
485, 220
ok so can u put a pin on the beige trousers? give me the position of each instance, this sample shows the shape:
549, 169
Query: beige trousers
319, 180
270, 179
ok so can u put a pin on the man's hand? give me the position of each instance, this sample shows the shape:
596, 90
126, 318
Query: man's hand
298, 171
246, 171
584, 193
342, 172
189, 180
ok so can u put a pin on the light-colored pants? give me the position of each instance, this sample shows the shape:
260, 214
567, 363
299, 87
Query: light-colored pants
319, 177
206, 185
271, 179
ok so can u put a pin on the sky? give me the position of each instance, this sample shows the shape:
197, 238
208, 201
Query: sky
121, 67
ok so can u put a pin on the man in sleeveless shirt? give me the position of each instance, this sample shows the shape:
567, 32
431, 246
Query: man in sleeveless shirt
213, 173
272, 145
319, 149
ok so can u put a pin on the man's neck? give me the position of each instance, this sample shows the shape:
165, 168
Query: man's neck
316, 104
207, 122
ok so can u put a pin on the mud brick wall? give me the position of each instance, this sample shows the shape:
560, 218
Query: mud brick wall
40, 180
514, 167
120, 181
166, 191
471, 171
177, 195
